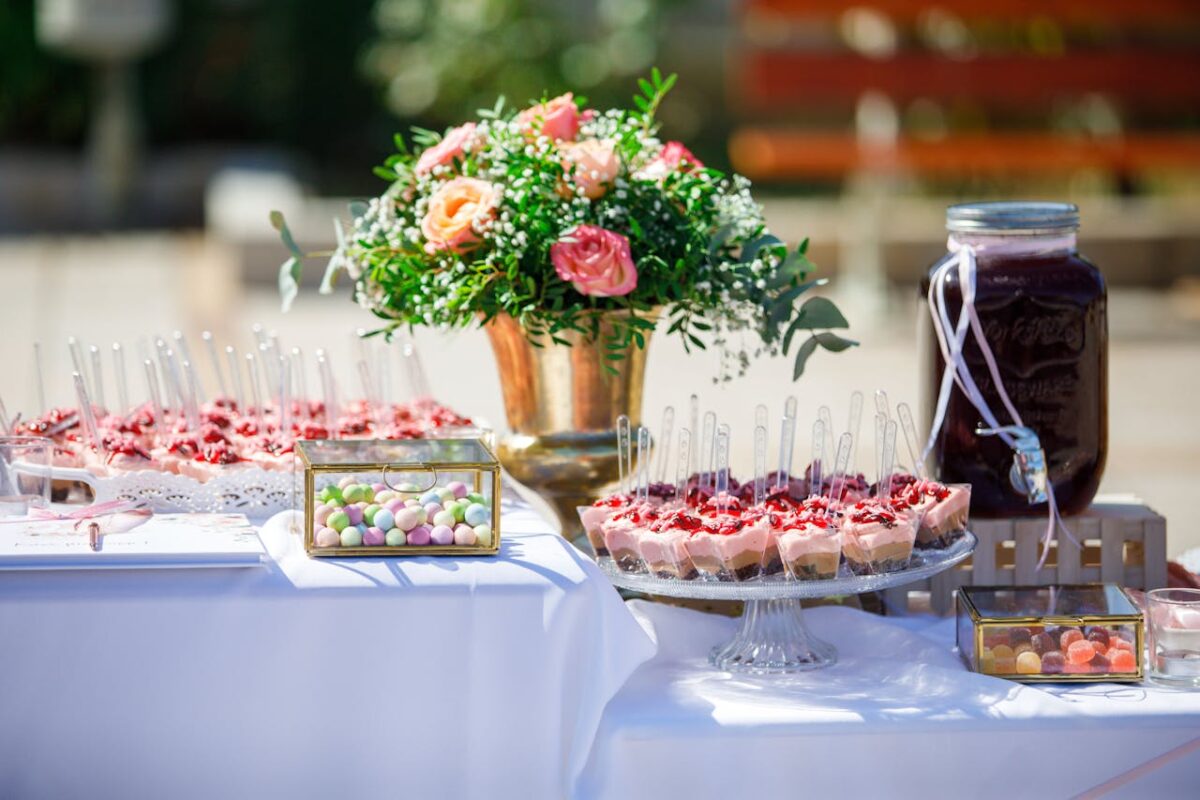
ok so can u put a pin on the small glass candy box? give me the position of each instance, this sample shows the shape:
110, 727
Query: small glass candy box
1077, 633
426, 497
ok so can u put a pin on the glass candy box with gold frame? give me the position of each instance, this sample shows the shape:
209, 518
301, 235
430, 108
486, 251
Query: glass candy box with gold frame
1074, 633
440, 497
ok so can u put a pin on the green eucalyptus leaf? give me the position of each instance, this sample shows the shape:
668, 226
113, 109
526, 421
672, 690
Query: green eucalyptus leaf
806, 350
834, 343
285, 233
820, 312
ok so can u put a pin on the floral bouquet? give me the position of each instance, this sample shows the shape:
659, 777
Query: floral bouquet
559, 215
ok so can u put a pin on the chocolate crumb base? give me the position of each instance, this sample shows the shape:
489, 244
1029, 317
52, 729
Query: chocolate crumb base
628, 561
749, 571
600, 550
690, 575
938, 542
807, 572
773, 567
876, 567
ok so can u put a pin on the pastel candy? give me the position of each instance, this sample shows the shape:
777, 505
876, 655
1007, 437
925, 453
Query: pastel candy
354, 493
379, 487
373, 537
441, 534
406, 519
476, 497
459, 511
384, 520
444, 519
328, 537
446, 494
385, 497
409, 488
352, 537
395, 538
432, 496
432, 508
368, 494
394, 506
354, 513
477, 514
419, 535
347, 482
422, 515
330, 493
338, 520
458, 488
483, 533
464, 535
369, 513
321, 514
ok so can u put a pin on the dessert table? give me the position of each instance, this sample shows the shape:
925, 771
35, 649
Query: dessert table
419, 677
897, 716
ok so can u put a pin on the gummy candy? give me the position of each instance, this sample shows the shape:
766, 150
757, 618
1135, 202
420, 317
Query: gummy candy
1069, 637
1043, 643
993, 638
1080, 651
1023, 647
1099, 646
1100, 663
1098, 634
1122, 660
1028, 663
1053, 662
987, 661
1117, 643
1002, 651
1005, 666
1018, 635
1070, 668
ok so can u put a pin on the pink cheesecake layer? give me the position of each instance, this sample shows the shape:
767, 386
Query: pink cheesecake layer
949, 514
734, 552
665, 553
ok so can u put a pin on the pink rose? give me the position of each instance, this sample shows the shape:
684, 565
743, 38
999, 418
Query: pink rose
454, 210
557, 118
595, 261
594, 164
445, 151
674, 157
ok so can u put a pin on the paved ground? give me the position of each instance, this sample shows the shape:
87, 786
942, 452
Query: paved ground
119, 288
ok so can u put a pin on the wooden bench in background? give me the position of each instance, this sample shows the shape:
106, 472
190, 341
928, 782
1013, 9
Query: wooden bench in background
795, 83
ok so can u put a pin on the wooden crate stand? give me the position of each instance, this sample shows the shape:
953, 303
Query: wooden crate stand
1120, 540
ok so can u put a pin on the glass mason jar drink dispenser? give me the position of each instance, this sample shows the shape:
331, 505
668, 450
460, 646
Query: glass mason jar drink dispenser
1042, 310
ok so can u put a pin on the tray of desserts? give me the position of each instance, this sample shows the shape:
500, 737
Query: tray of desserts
712, 537
178, 451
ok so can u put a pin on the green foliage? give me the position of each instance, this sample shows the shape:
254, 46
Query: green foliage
705, 261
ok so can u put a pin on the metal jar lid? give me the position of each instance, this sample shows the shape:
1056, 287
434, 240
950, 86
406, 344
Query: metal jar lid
1012, 217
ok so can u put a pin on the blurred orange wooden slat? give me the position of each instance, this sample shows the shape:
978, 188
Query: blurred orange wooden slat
771, 153
1132, 12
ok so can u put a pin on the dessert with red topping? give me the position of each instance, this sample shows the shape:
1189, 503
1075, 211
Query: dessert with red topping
878, 536
731, 546
943, 510
594, 516
810, 546
622, 532
664, 545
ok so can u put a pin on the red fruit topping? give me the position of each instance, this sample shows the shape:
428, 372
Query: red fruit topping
866, 512
613, 501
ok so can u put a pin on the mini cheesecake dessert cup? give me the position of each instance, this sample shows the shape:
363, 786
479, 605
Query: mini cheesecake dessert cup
730, 548
810, 549
878, 538
665, 554
622, 533
594, 516
945, 519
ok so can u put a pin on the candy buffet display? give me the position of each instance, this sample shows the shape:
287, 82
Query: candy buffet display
413, 497
191, 447
707, 526
1051, 633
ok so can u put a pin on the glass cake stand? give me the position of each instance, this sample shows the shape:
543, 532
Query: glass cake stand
772, 636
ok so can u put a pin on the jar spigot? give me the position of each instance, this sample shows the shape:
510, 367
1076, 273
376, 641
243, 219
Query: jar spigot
1028, 474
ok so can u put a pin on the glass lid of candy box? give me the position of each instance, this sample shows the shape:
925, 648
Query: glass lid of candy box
411, 452
1003, 603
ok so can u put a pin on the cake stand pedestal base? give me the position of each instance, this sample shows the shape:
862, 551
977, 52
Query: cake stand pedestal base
773, 638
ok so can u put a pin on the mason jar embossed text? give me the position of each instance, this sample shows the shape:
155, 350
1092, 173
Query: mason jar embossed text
1043, 311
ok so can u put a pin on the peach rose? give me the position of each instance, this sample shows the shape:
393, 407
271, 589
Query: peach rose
454, 210
595, 165
445, 151
595, 261
674, 157
557, 118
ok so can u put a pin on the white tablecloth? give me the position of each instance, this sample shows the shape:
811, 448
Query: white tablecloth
897, 716
473, 677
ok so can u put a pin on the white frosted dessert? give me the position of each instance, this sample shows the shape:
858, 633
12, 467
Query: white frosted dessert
810, 547
877, 537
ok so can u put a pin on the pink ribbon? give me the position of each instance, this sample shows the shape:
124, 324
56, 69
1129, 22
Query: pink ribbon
94, 510
951, 337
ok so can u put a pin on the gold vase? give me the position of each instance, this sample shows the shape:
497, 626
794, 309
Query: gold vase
562, 407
